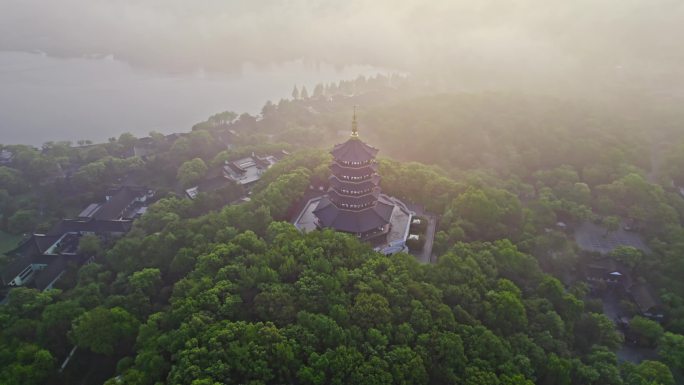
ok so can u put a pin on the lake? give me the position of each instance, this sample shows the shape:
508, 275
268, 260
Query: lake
45, 98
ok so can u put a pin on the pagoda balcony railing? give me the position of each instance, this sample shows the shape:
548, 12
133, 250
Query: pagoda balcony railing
375, 232
346, 207
350, 178
354, 181
354, 164
353, 194
370, 163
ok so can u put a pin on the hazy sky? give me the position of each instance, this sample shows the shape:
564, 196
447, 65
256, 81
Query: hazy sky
579, 46
410, 34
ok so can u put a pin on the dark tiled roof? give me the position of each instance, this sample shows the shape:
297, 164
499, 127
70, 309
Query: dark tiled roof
13, 269
214, 183
261, 162
599, 268
279, 155
119, 201
89, 211
45, 277
176, 135
226, 136
354, 150
353, 221
145, 141
235, 168
27, 247
35, 245
101, 227
602, 269
214, 171
643, 297
91, 226
45, 241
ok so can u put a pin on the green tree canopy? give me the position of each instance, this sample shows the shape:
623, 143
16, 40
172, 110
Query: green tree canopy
105, 331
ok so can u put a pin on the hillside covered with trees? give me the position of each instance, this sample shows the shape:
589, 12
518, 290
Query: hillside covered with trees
207, 292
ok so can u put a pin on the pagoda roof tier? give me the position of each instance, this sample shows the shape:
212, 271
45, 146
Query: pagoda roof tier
355, 222
340, 171
353, 203
354, 150
339, 184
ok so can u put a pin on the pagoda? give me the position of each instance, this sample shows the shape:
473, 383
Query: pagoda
353, 201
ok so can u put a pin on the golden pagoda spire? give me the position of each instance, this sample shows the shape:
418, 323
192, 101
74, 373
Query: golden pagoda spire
355, 128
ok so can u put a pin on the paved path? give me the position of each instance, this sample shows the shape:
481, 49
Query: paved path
635, 354
595, 238
426, 255
626, 352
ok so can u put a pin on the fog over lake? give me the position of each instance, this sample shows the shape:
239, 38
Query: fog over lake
43, 98
58, 82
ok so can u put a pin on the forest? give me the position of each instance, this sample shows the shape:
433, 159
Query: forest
208, 291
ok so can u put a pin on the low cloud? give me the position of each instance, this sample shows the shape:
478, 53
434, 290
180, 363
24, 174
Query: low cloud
524, 43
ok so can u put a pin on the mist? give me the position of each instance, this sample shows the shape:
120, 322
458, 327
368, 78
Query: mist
44, 98
585, 49
637, 38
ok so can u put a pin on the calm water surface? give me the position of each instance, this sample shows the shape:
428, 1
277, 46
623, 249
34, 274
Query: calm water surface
44, 98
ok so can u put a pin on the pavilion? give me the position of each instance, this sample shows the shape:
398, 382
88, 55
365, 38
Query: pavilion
354, 202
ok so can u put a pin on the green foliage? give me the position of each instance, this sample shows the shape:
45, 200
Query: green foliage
11, 180
105, 331
204, 292
90, 245
633, 197
486, 213
647, 331
22, 221
321, 308
594, 328
675, 163
279, 196
127, 140
418, 183
628, 255
505, 312
222, 118
31, 366
648, 373
236, 353
191, 172
146, 280
97, 175
672, 350
56, 322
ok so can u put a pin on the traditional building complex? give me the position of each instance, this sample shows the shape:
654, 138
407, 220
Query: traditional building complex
248, 170
354, 202
243, 172
41, 259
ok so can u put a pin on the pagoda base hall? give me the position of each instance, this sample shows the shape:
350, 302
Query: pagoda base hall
354, 202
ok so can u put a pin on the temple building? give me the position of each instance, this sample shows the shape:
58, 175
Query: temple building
354, 202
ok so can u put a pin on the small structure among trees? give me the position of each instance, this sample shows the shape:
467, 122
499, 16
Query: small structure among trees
354, 203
